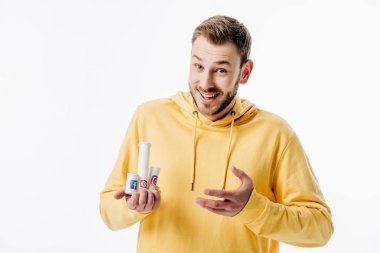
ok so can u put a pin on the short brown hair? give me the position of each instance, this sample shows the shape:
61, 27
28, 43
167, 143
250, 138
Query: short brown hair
221, 29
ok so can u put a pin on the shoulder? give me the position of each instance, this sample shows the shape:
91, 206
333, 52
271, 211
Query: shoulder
152, 106
157, 109
271, 117
273, 123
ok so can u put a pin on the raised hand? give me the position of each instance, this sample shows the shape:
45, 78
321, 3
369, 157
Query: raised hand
232, 201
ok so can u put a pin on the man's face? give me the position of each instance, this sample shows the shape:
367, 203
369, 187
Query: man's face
214, 77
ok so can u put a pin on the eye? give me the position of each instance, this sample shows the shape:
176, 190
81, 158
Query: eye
221, 71
198, 66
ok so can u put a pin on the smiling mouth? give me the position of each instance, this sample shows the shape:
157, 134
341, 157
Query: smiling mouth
208, 97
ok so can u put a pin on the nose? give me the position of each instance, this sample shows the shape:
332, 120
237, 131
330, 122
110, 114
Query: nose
206, 81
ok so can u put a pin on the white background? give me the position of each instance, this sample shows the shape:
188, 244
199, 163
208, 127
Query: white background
72, 73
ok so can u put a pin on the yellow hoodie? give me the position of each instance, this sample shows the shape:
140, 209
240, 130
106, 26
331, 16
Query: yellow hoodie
195, 153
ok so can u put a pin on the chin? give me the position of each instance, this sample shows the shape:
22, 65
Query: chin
208, 111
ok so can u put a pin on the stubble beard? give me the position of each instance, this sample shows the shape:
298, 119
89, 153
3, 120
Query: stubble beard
230, 96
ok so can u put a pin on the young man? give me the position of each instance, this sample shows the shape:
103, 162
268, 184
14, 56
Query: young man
234, 178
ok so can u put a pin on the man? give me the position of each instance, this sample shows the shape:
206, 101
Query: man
234, 178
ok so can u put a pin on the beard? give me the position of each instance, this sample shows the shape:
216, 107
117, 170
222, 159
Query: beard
227, 100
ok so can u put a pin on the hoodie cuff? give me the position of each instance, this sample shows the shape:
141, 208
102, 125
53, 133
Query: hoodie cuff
255, 210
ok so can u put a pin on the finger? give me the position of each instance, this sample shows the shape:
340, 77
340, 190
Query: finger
219, 193
150, 202
127, 196
133, 201
246, 181
120, 193
157, 199
214, 204
143, 199
226, 210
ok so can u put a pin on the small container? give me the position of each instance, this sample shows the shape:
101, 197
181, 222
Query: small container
154, 171
132, 183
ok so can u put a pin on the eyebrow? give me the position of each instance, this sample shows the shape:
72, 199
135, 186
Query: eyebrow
218, 62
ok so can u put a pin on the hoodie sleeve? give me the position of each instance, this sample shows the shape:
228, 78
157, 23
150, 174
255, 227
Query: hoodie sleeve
115, 213
300, 216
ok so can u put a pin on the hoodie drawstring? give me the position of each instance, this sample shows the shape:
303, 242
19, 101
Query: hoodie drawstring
195, 113
228, 150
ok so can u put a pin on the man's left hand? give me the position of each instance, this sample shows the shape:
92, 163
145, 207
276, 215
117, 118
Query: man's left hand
233, 200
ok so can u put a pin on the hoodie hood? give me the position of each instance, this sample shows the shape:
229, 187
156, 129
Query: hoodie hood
242, 111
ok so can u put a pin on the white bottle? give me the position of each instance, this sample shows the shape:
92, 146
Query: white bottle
143, 164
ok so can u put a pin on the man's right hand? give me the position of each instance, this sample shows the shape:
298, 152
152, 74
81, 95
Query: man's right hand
142, 201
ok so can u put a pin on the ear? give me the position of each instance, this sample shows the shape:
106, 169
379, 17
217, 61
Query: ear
246, 71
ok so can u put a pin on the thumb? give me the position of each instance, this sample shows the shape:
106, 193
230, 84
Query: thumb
120, 193
244, 178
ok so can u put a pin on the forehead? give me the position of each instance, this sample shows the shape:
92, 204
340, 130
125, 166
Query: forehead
212, 53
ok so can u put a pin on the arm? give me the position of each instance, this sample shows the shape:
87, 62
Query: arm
305, 224
114, 209
299, 217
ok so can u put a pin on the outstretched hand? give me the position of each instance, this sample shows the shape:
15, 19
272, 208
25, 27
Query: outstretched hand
233, 200
142, 201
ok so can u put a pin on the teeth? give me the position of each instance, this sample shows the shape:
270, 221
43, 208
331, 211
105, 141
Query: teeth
209, 96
